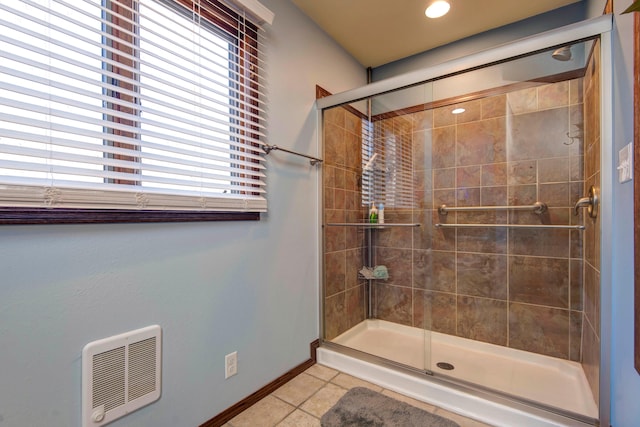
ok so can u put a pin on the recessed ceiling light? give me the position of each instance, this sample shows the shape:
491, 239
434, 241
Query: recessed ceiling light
437, 9
458, 111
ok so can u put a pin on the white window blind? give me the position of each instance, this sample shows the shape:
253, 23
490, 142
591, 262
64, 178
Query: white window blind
387, 158
131, 104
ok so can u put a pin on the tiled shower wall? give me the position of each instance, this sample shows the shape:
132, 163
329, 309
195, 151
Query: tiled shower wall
344, 293
591, 322
521, 288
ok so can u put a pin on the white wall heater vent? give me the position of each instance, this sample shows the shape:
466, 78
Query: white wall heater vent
120, 374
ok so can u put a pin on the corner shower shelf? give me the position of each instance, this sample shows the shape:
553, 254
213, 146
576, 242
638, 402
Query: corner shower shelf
371, 225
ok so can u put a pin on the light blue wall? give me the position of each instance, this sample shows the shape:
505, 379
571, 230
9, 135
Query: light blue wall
625, 387
213, 287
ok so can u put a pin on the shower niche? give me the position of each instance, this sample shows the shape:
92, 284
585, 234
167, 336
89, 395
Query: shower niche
468, 279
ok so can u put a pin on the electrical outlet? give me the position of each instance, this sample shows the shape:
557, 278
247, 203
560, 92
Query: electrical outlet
230, 364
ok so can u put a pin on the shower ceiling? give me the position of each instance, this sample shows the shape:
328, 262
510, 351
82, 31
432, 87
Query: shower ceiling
376, 32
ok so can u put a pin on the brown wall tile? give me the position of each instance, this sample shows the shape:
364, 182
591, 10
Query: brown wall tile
539, 242
334, 272
592, 296
443, 147
494, 106
494, 174
554, 170
472, 111
398, 263
576, 284
542, 281
354, 260
575, 338
422, 150
444, 178
554, 195
493, 241
523, 172
335, 116
468, 196
481, 142
522, 101
494, 196
543, 330
422, 120
434, 311
538, 135
591, 358
468, 176
355, 305
393, 303
522, 194
553, 95
443, 117
482, 275
482, 319
335, 316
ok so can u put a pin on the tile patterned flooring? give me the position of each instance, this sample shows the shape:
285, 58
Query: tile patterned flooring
303, 400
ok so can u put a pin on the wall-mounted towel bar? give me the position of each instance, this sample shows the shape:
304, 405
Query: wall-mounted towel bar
312, 160
549, 226
537, 207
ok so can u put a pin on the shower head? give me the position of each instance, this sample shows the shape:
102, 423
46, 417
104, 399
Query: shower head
562, 53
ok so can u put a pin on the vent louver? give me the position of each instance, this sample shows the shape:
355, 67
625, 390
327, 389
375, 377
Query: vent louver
120, 374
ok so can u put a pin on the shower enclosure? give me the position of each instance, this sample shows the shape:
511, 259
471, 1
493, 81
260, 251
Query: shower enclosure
485, 274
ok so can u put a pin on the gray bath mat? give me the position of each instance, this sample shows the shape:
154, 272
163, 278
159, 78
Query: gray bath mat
361, 407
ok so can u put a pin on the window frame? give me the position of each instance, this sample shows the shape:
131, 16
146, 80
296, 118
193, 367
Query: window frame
245, 40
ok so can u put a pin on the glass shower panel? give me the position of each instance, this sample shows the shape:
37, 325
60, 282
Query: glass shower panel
508, 145
374, 160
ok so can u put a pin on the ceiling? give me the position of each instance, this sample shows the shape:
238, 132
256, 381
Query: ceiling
377, 32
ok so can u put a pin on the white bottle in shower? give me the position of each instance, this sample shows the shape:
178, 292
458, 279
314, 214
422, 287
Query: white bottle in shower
381, 213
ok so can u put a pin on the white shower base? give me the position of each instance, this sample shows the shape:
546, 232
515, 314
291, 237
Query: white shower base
551, 381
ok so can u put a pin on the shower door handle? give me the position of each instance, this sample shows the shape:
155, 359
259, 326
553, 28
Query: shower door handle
591, 202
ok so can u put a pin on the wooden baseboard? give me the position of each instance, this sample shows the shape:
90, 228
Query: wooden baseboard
253, 398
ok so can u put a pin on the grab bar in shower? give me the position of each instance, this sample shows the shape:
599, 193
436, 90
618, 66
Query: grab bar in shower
548, 226
537, 207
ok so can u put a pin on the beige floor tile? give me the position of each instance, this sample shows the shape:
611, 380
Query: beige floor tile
322, 372
266, 413
299, 389
349, 382
300, 419
463, 421
323, 400
411, 401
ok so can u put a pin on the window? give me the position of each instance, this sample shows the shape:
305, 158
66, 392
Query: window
130, 110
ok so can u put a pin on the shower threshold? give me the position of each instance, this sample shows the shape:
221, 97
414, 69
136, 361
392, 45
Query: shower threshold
533, 377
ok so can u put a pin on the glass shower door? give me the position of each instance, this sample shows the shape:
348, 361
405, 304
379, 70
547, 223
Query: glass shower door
375, 270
